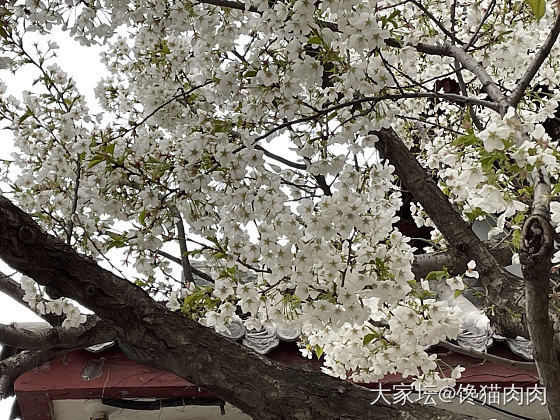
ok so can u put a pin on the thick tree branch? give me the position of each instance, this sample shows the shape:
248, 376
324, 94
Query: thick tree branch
537, 246
532, 70
151, 334
503, 289
469, 63
94, 331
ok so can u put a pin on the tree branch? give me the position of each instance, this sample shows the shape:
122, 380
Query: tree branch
463, 87
195, 270
453, 98
456, 262
537, 246
422, 47
479, 71
182, 238
503, 289
532, 70
74, 203
94, 331
280, 159
474, 38
13, 289
151, 334
437, 22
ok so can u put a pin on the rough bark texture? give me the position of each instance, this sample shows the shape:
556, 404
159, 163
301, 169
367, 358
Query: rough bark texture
92, 332
151, 334
537, 246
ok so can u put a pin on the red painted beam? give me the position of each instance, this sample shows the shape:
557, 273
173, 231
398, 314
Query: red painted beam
115, 377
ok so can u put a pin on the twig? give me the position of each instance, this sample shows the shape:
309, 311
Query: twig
74, 204
437, 22
187, 270
463, 87
469, 63
543, 53
458, 99
195, 270
474, 38
159, 108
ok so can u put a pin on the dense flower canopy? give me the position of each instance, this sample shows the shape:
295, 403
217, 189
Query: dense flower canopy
245, 134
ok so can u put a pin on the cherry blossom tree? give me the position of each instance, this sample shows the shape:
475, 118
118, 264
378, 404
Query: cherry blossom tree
250, 165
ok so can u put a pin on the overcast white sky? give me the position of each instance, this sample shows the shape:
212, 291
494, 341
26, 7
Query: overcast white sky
83, 64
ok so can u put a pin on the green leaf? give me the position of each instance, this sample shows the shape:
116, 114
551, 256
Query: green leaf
111, 148
368, 338
142, 216
315, 40
473, 215
25, 116
250, 73
457, 293
318, 351
516, 238
466, 140
538, 7
95, 161
436, 275
3, 32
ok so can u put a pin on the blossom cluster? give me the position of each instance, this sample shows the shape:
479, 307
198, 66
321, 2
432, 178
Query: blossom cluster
257, 126
61, 306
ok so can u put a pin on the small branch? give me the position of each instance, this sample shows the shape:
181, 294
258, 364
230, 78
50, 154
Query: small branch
195, 270
486, 356
457, 99
437, 22
454, 261
530, 73
159, 108
469, 63
454, 17
280, 159
474, 38
182, 237
463, 87
94, 331
13, 289
232, 5
74, 204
